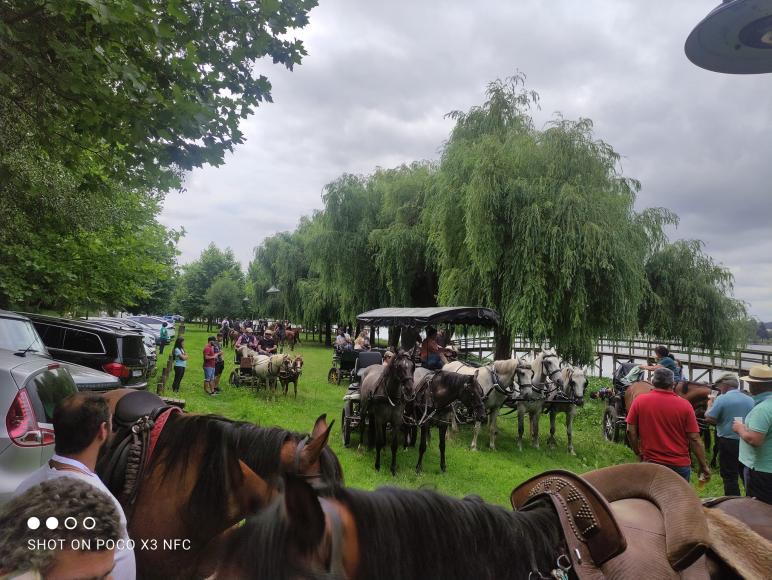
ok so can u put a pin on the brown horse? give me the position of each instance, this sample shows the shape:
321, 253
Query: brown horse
292, 337
291, 375
620, 522
207, 473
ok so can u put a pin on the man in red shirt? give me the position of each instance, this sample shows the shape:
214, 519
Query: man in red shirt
662, 428
210, 362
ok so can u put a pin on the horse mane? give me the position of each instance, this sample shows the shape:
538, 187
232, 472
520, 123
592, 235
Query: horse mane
454, 380
423, 534
182, 438
408, 534
506, 366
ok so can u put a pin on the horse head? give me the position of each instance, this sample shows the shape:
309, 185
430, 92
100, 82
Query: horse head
401, 369
574, 382
550, 364
524, 374
472, 396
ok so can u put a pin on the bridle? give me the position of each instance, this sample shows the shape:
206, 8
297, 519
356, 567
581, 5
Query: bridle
315, 480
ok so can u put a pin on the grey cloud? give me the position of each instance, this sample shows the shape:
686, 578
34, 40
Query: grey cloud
379, 77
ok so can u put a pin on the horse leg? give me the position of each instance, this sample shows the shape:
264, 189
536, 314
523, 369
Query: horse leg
570, 414
552, 442
473, 446
396, 425
443, 428
295, 387
378, 442
535, 427
520, 427
493, 429
421, 449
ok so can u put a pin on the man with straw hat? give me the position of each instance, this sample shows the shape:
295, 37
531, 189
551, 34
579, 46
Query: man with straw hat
756, 435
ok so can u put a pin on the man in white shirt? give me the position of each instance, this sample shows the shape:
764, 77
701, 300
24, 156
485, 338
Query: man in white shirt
81, 426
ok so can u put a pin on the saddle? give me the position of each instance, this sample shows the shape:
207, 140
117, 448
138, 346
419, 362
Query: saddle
636, 520
135, 417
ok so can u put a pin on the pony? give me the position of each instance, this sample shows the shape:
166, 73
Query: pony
267, 368
383, 394
205, 474
292, 374
434, 396
391, 533
546, 369
569, 395
499, 381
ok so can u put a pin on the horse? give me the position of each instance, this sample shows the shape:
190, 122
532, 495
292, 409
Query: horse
292, 337
267, 368
697, 394
383, 393
203, 474
565, 399
499, 381
545, 365
292, 374
432, 405
616, 523
233, 336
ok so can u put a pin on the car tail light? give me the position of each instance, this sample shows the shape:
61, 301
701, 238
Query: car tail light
117, 370
22, 425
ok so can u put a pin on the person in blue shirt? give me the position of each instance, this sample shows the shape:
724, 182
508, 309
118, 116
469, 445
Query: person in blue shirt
163, 337
664, 360
722, 410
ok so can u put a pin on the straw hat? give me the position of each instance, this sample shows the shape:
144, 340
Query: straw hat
759, 374
249, 330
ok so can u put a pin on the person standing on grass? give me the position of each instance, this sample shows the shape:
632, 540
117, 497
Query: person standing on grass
219, 366
163, 337
756, 435
731, 403
210, 362
180, 363
662, 428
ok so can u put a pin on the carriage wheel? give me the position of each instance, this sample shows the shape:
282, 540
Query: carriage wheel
234, 378
333, 377
346, 428
611, 431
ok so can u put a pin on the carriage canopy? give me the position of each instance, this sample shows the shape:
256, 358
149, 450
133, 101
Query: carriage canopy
418, 317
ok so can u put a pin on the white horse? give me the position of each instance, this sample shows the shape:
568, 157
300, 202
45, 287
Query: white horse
564, 399
546, 368
498, 380
266, 368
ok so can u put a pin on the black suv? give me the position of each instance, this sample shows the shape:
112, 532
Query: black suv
98, 346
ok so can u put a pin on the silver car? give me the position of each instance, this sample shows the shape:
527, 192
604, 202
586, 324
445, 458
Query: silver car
31, 386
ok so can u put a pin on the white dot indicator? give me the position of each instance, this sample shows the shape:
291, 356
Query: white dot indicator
70, 523
52, 523
33, 523
86, 523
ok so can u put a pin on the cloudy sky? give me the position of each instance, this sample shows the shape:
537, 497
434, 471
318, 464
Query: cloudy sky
379, 76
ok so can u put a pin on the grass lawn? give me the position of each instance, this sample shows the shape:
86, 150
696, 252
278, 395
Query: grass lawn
491, 475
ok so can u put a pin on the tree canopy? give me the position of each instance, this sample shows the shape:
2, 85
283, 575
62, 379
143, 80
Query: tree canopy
539, 224
197, 277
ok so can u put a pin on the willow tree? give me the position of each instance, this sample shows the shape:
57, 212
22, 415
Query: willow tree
690, 299
540, 225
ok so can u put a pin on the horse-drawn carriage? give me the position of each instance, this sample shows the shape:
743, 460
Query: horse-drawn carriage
614, 424
343, 363
243, 374
412, 318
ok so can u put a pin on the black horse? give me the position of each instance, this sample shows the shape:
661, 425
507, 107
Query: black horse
383, 393
435, 393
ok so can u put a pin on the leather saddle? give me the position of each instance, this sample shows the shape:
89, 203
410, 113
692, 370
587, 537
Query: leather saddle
132, 420
626, 521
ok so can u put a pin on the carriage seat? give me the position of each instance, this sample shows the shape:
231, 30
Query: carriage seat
635, 520
352, 394
366, 359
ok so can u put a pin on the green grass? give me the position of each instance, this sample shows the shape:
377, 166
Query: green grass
491, 475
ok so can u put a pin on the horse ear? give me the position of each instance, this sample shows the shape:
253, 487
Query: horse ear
318, 441
305, 515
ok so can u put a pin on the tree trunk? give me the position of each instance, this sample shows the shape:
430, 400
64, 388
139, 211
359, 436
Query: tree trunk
503, 341
394, 332
327, 333
372, 335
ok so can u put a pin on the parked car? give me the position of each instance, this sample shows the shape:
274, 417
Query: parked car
118, 352
155, 322
148, 338
30, 388
18, 335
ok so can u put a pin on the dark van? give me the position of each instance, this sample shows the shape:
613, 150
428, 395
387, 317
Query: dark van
117, 352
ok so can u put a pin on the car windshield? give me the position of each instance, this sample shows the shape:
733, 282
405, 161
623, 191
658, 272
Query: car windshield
20, 335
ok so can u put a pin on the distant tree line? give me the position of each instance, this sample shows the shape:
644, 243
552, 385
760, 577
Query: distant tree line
538, 223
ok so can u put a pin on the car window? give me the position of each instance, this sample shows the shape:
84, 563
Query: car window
48, 389
80, 341
53, 336
19, 335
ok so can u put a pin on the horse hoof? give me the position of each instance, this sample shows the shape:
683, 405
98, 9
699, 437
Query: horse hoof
572, 452
473, 448
393, 472
443, 469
